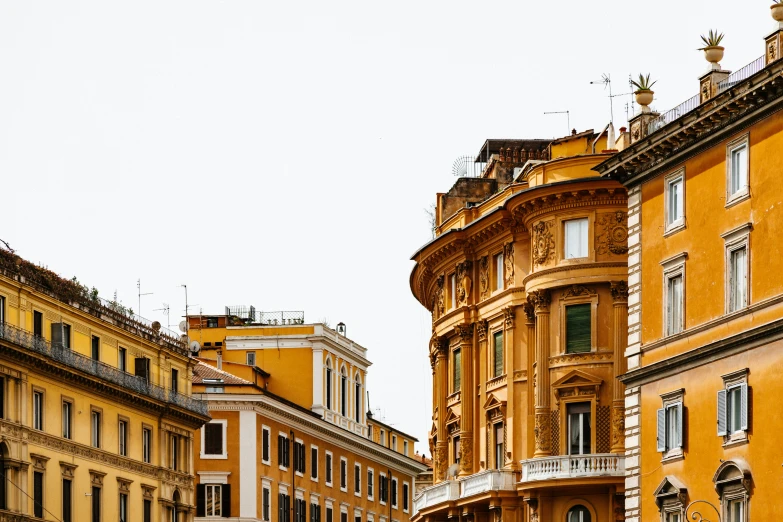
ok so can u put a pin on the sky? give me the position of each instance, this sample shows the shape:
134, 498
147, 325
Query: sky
282, 154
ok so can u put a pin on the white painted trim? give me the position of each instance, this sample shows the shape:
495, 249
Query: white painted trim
247, 464
318, 379
743, 193
203, 430
736, 239
677, 224
343, 488
265, 428
315, 465
357, 493
213, 477
407, 497
370, 490
328, 470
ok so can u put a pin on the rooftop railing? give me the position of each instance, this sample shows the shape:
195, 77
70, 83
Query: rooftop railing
737, 76
66, 356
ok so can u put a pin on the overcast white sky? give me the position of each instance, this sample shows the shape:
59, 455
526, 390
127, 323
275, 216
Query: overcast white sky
281, 154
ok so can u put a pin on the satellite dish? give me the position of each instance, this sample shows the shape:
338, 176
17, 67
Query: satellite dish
194, 347
183, 326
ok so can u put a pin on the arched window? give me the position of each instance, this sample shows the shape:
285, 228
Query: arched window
578, 514
358, 399
343, 391
175, 509
732, 481
328, 384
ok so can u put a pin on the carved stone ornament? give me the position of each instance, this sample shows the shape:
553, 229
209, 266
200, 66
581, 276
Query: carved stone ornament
541, 299
464, 284
618, 427
576, 291
466, 454
96, 477
441, 461
465, 332
482, 327
613, 238
543, 437
508, 264
543, 243
124, 484
439, 300
772, 52
67, 469
484, 278
619, 290
508, 316
530, 310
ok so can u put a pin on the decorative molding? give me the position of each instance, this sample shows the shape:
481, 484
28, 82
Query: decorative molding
465, 332
565, 268
530, 310
81, 328
603, 429
13, 301
508, 264
543, 242
482, 327
466, 452
96, 477
568, 359
484, 290
577, 291
619, 291
541, 300
439, 306
464, 283
39, 461
542, 432
148, 491
67, 469
124, 484
614, 236
509, 313
520, 375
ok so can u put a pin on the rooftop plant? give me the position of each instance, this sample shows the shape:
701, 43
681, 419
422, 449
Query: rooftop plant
643, 83
712, 39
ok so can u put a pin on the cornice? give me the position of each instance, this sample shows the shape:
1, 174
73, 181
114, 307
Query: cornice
554, 270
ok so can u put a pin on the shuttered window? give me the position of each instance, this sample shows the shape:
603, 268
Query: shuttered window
265, 504
283, 449
313, 462
213, 438
96, 504
733, 410
578, 328
38, 494
328, 464
498, 354
265, 445
670, 427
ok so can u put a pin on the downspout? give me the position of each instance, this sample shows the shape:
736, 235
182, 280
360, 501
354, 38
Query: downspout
601, 134
293, 477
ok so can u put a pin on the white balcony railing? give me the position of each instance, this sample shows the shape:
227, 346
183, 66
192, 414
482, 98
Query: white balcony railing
492, 480
345, 423
437, 494
573, 466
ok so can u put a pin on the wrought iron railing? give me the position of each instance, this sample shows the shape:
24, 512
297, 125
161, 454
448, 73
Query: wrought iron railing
66, 356
282, 317
746, 72
467, 167
671, 115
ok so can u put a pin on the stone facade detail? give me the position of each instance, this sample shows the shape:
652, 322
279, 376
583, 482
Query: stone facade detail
543, 243
613, 238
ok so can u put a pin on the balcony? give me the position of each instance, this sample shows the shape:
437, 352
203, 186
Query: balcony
493, 480
445, 491
77, 361
573, 466
345, 423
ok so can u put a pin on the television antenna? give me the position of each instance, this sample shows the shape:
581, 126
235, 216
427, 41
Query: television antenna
568, 118
165, 311
606, 81
138, 286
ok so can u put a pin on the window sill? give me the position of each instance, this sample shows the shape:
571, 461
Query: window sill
299, 474
313, 479
282, 468
328, 484
674, 228
737, 439
739, 197
266, 462
673, 455
224, 456
357, 494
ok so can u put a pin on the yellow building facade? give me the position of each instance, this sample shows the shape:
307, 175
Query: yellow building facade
96, 416
290, 436
526, 282
705, 315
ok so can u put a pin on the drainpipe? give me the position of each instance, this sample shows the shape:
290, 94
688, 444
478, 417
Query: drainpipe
291, 444
601, 134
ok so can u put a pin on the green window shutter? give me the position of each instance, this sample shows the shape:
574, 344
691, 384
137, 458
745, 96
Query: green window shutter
457, 370
498, 338
578, 325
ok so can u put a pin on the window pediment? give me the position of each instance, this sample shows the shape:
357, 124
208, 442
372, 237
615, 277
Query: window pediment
670, 490
732, 473
576, 383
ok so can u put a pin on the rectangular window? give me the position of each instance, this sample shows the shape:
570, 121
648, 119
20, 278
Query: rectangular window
452, 291
96, 504
497, 366
736, 510
674, 301
95, 428
394, 492
328, 469
315, 512
455, 450
579, 428
576, 238
175, 380
147, 507
405, 448
122, 436
299, 457
343, 474
498, 262
457, 370
67, 501
313, 463
499, 458
383, 487
405, 496
67, 419
213, 438
675, 201
61, 335
737, 170
300, 510
38, 413
328, 514
146, 445
672, 517
283, 449
142, 368
343, 517
38, 494
733, 410
250, 358
37, 323
214, 500
370, 483
357, 479
2, 309
578, 329
265, 440
174, 461
122, 359
738, 279
394, 442
670, 427
96, 348
123, 507
265, 500
383, 438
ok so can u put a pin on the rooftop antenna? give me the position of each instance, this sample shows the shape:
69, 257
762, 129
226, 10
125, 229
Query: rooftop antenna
138, 285
606, 81
568, 116
165, 311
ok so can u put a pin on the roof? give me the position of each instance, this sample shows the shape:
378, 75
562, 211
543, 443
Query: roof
372, 419
493, 146
204, 371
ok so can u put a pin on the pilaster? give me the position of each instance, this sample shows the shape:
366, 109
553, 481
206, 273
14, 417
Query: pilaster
708, 84
465, 332
511, 364
619, 338
440, 349
773, 45
542, 430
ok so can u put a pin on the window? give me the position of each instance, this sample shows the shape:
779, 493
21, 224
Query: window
61, 335
736, 511
394, 442
738, 279
315, 512
671, 496
147, 510
674, 294
250, 358
300, 510
299, 457
37, 323
456, 378
575, 238
142, 368
213, 500
283, 449
95, 428
497, 366
370, 483
96, 348
670, 426
394, 492
123, 507
328, 384
313, 463
405, 448
38, 494
122, 359
146, 445
67, 419
174, 380
265, 503
2, 309
212, 322
67, 501
733, 407
175, 452
455, 450
96, 504
498, 263
498, 441
38, 414
357, 479
122, 437
578, 329
343, 474
343, 392
343, 516
328, 465
358, 399
406, 490
579, 428
213, 439
383, 438
578, 514
452, 291
674, 189
2, 398
737, 187
328, 513
731, 481
383, 487
265, 439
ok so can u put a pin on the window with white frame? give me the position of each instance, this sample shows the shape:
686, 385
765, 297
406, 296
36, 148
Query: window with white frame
394, 442
579, 428
299, 457
250, 358
283, 451
146, 444
370, 483
732, 481
733, 407
576, 243
314, 463
328, 467
674, 294
498, 443
357, 479
674, 197
343, 474
737, 167
328, 378
405, 448
38, 410
737, 243
315, 510
266, 502
383, 488
670, 425
406, 491
671, 497
266, 441
452, 291
67, 418
122, 436
213, 497
498, 262
213, 439
394, 492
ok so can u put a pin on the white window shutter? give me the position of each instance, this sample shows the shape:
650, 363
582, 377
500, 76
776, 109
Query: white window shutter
722, 421
679, 425
744, 406
662, 430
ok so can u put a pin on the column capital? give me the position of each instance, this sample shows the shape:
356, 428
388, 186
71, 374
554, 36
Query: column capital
509, 314
541, 299
619, 291
438, 346
530, 310
465, 332
482, 327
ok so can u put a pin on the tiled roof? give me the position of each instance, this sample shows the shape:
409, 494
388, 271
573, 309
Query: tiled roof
203, 371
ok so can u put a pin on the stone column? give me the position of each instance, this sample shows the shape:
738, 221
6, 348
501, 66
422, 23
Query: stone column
441, 456
620, 340
543, 416
467, 394
511, 364
482, 440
